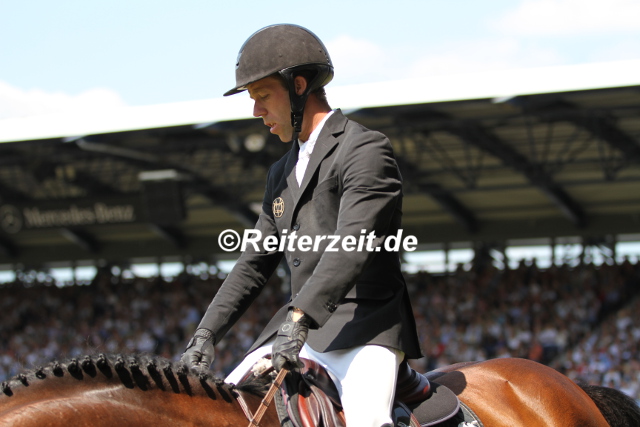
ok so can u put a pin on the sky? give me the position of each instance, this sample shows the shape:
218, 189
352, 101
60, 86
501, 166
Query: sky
65, 55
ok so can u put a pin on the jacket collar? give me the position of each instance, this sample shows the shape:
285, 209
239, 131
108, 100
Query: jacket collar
328, 138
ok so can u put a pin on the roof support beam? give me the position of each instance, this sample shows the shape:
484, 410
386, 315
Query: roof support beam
605, 129
552, 108
452, 205
81, 238
8, 248
478, 136
171, 234
443, 197
113, 150
222, 197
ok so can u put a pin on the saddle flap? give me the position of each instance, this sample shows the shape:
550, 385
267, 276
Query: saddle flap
442, 405
309, 410
316, 376
311, 398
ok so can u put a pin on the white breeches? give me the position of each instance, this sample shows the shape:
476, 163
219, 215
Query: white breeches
365, 377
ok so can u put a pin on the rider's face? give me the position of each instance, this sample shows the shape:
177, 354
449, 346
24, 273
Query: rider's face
271, 103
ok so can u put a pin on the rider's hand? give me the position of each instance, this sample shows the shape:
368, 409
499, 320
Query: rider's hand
292, 335
199, 352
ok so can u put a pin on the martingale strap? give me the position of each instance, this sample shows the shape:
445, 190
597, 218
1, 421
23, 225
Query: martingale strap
254, 420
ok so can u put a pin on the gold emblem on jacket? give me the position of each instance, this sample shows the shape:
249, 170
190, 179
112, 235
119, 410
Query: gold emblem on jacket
278, 207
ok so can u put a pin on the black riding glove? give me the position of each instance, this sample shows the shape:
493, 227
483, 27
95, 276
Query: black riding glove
289, 341
199, 352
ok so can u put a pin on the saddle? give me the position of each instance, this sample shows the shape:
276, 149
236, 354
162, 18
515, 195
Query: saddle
310, 399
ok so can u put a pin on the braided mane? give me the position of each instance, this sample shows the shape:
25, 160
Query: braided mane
142, 371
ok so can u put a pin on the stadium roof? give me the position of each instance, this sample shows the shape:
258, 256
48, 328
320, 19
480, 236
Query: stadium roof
486, 157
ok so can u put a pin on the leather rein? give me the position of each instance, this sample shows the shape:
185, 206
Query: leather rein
254, 419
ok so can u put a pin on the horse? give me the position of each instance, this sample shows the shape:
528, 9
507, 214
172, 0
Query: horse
146, 390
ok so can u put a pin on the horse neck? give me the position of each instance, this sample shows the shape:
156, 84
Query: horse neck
142, 396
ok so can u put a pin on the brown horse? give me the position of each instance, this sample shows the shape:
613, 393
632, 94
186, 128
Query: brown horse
147, 391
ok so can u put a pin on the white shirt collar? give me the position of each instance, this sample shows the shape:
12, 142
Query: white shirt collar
306, 147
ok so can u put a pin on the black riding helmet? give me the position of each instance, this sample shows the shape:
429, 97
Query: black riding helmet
289, 50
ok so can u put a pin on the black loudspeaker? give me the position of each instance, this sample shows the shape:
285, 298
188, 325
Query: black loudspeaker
163, 202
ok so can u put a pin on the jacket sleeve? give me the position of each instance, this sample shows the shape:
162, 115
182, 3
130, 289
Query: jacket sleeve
372, 188
247, 278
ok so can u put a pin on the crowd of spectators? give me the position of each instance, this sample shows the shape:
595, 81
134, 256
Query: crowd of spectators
610, 355
574, 318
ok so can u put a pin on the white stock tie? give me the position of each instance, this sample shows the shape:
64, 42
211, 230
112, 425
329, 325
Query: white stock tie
303, 160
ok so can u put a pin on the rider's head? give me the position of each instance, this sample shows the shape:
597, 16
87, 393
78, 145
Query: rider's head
285, 51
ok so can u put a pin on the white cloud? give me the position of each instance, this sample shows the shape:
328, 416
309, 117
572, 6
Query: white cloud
628, 48
482, 55
562, 17
16, 102
360, 61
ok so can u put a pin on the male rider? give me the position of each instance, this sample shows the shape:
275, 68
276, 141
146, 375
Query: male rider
349, 309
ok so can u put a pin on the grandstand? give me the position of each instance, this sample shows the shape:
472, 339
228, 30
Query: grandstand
545, 159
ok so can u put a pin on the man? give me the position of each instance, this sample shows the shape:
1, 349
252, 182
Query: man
349, 309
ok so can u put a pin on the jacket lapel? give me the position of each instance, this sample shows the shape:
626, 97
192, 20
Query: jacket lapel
292, 183
326, 141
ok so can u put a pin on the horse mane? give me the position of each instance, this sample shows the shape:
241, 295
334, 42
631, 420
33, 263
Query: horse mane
137, 370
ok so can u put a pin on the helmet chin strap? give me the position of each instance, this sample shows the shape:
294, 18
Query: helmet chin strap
322, 76
297, 102
296, 123
297, 110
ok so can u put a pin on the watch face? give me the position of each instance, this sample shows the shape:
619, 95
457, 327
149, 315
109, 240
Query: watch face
10, 219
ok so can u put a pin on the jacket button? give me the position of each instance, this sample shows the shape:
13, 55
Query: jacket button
296, 262
331, 306
296, 227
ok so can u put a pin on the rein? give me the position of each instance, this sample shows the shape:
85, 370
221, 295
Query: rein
254, 420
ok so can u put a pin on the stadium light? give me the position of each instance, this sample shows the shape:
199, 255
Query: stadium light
255, 142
